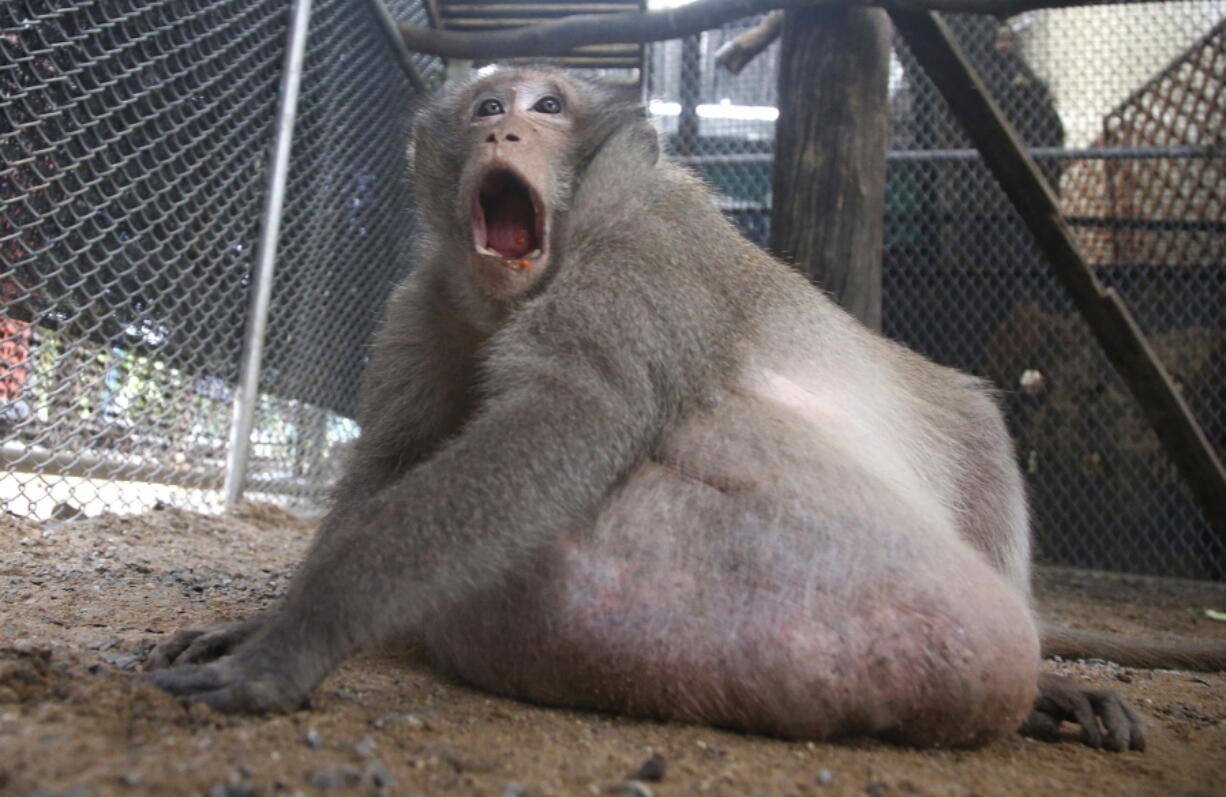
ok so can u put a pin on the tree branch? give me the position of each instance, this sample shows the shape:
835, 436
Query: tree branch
734, 54
560, 36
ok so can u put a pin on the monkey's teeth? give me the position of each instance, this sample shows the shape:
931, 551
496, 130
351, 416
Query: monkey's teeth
484, 250
533, 253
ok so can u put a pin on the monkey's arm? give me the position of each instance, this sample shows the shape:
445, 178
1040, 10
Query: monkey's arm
416, 390
571, 404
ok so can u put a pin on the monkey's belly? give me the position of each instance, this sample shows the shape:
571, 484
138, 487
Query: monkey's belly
748, 610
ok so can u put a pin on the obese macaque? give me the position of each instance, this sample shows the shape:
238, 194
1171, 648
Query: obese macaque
614, 456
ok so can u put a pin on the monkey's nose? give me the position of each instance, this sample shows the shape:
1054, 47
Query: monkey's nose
492, 138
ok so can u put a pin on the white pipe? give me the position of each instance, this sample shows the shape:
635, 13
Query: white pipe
238, 449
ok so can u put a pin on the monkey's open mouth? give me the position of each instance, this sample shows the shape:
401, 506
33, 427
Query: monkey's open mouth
507, 221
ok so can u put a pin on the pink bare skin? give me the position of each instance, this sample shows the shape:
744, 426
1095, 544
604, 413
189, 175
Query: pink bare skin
725, 582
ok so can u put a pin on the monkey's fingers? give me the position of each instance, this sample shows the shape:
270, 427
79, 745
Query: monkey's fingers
226, 686
200, 645
217, 642
191, 679
167, 653
250, 697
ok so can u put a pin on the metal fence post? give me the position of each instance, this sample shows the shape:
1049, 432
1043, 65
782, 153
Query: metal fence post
243, 414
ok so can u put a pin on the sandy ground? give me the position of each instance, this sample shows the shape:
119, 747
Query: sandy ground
82, 601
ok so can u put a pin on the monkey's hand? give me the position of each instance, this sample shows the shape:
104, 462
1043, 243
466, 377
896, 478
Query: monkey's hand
200, 645
258, 676
1105, 719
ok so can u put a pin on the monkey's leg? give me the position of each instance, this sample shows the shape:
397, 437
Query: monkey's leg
708, 601
994, 521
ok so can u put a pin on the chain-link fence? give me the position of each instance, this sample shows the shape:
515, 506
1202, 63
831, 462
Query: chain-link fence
135, 139
1124, 108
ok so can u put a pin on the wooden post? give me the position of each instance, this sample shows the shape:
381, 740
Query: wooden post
830, 143
1108, 317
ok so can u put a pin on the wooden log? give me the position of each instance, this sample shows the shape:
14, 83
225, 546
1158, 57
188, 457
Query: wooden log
828, 185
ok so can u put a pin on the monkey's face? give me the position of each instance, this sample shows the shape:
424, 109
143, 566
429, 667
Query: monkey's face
521, 125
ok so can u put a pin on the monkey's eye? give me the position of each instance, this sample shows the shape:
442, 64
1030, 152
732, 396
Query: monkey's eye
489, 108
548, 105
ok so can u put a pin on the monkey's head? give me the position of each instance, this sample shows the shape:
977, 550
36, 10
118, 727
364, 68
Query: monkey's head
496, 161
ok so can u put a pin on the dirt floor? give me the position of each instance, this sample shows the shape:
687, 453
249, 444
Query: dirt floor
82, 601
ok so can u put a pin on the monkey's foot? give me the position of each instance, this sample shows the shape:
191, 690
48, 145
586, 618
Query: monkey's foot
240, 683
1105, 719
200, 645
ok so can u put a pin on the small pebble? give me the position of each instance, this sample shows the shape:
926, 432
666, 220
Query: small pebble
512, 790
313, 738
653, 769
875, 788
132, 779
635, 788
242, 789
825, 776
365, 747
407, 720
379, 776
334, 777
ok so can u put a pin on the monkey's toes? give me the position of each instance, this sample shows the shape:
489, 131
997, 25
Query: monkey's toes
1106, 720
1122, 727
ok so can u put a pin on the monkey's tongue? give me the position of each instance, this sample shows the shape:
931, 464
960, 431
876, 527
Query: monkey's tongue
510, 225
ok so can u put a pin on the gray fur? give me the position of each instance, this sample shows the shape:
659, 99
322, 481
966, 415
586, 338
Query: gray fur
653, 471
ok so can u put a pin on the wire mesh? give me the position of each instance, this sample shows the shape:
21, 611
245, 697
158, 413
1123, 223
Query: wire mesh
347, 226
131, 192
135, 136
964, 283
